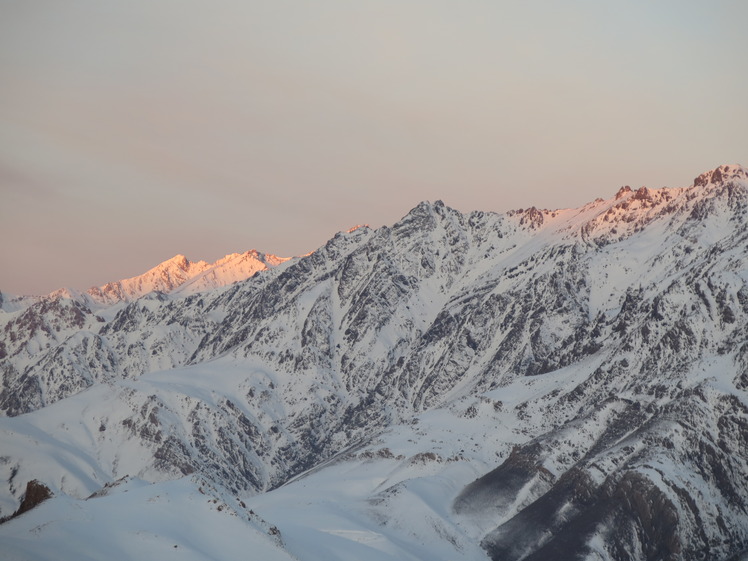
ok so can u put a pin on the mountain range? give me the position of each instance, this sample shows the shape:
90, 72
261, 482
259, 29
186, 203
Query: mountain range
536, 384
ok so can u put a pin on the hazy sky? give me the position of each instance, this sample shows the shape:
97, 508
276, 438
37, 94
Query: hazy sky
134, 130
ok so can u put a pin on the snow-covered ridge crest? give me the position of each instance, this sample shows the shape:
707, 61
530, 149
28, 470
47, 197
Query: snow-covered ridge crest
177, 275
189, 277
630, 211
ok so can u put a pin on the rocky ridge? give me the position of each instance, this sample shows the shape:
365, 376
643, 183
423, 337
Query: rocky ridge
641, 298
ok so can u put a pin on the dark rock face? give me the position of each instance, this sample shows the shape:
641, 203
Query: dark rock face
635, 519
36, 493
622, 496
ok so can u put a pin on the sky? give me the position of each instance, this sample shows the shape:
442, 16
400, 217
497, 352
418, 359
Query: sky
134, 131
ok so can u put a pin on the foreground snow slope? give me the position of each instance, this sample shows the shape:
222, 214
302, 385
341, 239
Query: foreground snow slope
388, 499
533, 385
136, 520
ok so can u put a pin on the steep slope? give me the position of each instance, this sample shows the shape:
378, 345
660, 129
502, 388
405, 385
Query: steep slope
597, 355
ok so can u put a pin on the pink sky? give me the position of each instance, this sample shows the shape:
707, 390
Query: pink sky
133, 131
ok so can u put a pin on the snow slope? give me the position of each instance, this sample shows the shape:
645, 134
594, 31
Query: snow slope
132, 519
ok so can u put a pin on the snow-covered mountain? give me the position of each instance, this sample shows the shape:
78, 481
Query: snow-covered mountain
179, 273
566, 384
35, 325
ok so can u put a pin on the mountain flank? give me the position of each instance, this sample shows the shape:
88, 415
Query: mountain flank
532, 385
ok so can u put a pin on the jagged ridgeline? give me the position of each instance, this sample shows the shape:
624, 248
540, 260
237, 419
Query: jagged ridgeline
624, 323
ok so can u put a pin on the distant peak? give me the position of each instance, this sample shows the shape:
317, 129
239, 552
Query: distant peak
356, 227
721, 174
171, 274
623, 191
429, 205
642, 194
178, 260
63, 293
437, 207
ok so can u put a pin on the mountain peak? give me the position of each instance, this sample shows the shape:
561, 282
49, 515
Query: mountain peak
178, 259
173, 273
721, 174
179, 264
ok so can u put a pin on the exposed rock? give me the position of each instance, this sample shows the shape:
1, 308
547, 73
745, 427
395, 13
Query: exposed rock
35, 494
